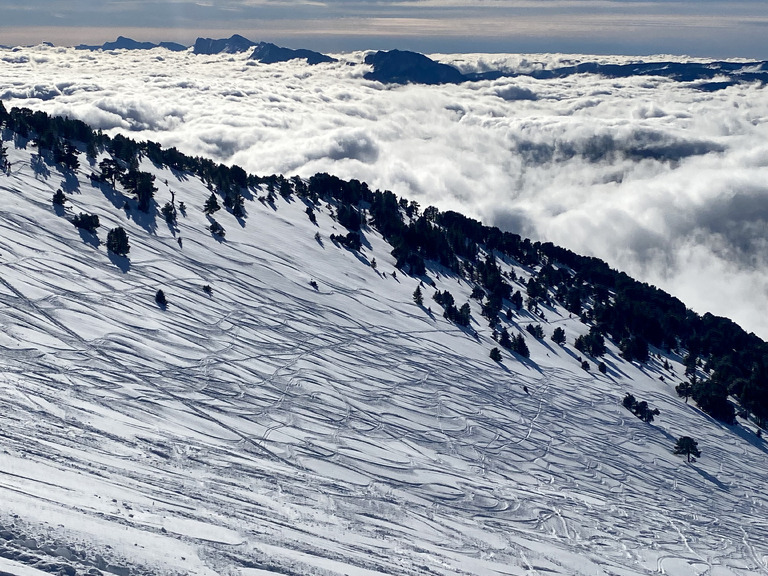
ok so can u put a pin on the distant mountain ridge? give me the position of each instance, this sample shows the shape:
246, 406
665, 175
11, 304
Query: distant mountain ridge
268, 53
404, 67
264, 52
123, 43
232, 45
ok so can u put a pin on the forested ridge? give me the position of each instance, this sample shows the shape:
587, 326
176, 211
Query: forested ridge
724, 363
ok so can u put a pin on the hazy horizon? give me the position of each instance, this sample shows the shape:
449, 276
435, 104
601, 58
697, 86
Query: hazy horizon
713, 29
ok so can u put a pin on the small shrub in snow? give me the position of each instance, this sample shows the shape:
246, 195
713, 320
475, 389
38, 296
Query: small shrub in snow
169, 213
640, 409
217, 229
87, 222
117, 241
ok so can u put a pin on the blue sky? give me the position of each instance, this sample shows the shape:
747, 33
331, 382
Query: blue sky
712, 28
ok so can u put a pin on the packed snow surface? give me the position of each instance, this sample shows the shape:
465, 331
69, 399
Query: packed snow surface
272, 427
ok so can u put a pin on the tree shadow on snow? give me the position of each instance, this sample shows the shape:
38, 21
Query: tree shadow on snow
89, 237
39, 167
70, 184
147, 220
122, 262
715, 481
749, 436
612, 365
117, 199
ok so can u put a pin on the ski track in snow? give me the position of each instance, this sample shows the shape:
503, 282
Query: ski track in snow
274, 428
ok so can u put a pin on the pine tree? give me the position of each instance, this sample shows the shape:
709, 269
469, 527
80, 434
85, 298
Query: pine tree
160, 299
169, 213
86, 221
629, 402
464, 315
558, 336
110, 170
495, 354
535, 330
211, 205
59, 198
418, 297
684, 390
117, 241
217, 229
688, 446
238, 206
520, 347
504, 339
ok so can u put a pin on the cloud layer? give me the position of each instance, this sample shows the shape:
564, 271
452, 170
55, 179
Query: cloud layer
660, 179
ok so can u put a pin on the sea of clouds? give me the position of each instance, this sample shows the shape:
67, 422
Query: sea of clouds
658, 178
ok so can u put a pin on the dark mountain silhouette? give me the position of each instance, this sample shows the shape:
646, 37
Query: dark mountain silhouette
268, 53
403, 67
173, 46
123, 43
726, 73
231, 45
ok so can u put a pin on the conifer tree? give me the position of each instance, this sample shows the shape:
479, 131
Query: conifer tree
687, 446
418, 297
169, 213
211, 205
59, 198
117, 241
504, 339
520, 347
684, 390
464, 314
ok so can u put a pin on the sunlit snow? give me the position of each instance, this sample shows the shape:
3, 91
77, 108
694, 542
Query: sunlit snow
274, 428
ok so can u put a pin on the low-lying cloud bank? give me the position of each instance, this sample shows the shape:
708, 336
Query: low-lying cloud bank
655, 176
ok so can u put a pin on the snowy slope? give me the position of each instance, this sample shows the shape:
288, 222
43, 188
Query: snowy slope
275, 428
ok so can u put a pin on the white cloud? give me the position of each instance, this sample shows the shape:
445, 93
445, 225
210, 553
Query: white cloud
664, 181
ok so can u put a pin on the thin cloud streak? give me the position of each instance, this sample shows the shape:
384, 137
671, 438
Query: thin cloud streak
660, 179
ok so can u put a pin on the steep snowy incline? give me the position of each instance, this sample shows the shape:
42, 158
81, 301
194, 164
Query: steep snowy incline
271, 427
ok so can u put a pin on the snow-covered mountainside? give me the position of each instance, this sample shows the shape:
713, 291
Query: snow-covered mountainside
275, 427
661, 179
